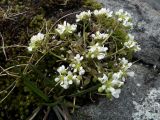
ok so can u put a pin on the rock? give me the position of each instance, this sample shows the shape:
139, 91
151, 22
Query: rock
145, 85
124, 108
146, 17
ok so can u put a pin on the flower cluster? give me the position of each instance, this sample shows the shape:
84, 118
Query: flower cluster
92, 43
66, 77
36, 41
97, 51
131, 43
99, 36
71, 74
76, 65
124, 17
125, 64
113, 83
66, 28
83, 16
110, 85
103, 11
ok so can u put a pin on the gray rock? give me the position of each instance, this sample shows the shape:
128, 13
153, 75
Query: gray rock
146, 17
135, 91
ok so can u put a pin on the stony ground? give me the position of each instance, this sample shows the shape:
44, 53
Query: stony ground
140, 98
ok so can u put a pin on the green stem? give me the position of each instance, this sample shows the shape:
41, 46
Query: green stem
60, 99
56, 55
116, 52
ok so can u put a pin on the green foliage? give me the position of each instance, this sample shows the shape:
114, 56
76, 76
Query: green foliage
31, 86
92, 4
34, 72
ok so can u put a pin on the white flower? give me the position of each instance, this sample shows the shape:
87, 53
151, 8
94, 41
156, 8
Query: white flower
124, 17
116, 79
30, 48
35, 41
103, 11
99, 35
125, 64
66, 28
76, 65
117, 82
78, 58
115, 92
100, 56
61, 69
131, 43
103, 79
127, 23
37, 37
67, 78
118, 75
81, 71
83, 16
76, 79
56, 79
137, 48
64, 84
97, 51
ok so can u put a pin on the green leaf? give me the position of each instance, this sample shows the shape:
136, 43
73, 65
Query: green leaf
31, 86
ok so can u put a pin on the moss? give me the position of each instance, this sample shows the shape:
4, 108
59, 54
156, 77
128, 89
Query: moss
92, 4
22, 19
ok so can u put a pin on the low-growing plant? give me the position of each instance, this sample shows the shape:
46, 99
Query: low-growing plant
68, 61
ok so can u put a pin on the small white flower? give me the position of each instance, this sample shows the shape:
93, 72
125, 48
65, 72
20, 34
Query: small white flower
57, 79
35, 41
97, 51
131, 42
78, 58
65, 86
117, 76
116, 79
127, 23
103, 87
115, 92
76, 64
117, 82
61, 69
81, 71
103, 11
76, 79
37, 37
99, 35
125, 64
103, 79
137, 48
101, 56
30, 48
83, 16
124, 17
66, 28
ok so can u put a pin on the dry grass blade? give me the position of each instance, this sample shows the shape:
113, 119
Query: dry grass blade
3, 46
8, 93
35, 112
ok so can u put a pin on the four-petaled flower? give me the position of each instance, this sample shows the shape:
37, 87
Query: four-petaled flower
83, 16
97, 51
35, 41
66, 28
103, 11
